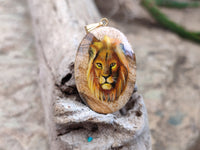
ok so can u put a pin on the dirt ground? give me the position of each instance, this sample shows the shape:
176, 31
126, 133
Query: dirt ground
167, 76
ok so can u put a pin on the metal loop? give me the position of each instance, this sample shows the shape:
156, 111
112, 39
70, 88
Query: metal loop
104, 21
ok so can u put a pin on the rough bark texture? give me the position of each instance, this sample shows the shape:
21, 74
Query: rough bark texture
59, 28
21, 126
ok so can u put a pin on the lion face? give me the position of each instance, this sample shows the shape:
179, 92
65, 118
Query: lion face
107, 69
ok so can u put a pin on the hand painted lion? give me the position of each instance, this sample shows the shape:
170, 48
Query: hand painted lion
107, 69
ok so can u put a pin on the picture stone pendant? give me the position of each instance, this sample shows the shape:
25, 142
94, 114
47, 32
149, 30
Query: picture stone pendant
105, 68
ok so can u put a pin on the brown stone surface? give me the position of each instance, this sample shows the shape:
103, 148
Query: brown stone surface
21, 113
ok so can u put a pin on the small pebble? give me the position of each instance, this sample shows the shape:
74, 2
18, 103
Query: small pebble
90, 139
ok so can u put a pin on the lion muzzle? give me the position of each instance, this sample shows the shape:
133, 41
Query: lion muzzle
106, 86
106, 82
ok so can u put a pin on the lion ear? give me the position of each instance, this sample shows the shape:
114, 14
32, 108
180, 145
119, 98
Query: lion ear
93, 49
122, 48
120, 51
92, 52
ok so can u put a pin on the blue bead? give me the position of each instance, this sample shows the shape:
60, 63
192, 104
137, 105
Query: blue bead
90, 139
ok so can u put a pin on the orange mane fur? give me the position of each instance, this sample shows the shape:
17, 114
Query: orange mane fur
119, 77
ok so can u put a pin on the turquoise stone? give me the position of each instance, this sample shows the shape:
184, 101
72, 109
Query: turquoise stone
90, 139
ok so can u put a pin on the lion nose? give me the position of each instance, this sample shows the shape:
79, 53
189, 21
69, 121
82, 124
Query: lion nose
106, 76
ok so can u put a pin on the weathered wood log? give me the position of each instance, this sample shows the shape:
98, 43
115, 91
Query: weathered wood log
58, 27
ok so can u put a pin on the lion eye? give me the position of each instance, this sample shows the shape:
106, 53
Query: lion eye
99, 65
113, 65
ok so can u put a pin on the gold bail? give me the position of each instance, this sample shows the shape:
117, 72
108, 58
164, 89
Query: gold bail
90, 27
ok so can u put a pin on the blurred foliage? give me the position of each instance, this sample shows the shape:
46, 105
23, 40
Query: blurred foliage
162, 19
176, 4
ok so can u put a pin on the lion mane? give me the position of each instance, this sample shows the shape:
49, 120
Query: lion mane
118, 71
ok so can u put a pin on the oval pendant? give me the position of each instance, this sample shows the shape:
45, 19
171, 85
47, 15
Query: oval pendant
105, 70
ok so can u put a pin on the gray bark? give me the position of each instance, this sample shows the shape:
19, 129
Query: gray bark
59, 27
